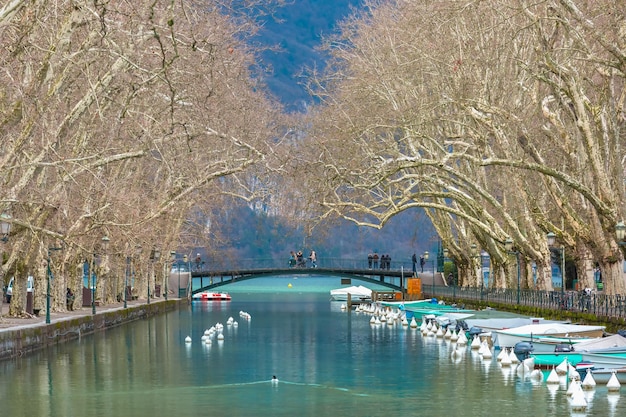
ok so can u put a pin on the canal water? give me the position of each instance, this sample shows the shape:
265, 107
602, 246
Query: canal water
327, 362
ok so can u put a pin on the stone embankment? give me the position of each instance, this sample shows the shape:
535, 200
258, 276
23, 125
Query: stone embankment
19, 337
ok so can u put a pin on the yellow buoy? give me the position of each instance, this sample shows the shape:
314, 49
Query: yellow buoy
289, 285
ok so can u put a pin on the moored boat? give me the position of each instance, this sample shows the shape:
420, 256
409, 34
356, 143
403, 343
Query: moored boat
438, 310
606, 358
212, 296
548, 334
357, 293
574, 352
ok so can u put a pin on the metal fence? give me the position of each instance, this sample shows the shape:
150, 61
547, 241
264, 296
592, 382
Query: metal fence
612, 306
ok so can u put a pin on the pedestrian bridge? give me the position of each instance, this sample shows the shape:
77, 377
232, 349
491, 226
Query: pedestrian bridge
205, 280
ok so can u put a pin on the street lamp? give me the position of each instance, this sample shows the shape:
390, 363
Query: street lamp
551, 237
508, 245
105, 244
426, 255
154, 257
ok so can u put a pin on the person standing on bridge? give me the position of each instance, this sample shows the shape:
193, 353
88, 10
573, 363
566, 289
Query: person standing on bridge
313, 259
375, 260
414, 260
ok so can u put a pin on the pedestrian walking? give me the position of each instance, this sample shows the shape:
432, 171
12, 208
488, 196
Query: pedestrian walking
414, 260
422, 262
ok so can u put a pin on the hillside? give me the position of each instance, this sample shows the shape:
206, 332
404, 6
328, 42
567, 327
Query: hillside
298, 29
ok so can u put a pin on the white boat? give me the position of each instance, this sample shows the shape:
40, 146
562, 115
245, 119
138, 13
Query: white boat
606, 358
357, 293
212, 296
550, 333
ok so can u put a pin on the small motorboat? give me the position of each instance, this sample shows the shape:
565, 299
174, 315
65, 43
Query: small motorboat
212, 296
357, 293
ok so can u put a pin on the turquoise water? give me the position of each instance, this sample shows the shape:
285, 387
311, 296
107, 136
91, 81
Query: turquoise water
328, 362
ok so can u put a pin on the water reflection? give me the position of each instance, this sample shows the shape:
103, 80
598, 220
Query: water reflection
329, 362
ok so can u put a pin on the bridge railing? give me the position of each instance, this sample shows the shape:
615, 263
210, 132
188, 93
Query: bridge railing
272, 263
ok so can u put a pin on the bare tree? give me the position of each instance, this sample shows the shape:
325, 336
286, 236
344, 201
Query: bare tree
116, 118
457, 108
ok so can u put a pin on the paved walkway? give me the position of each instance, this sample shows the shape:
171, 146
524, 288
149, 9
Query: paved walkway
16, 322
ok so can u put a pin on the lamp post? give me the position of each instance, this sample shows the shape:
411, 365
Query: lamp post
426, 255
551, 237
508, 245
105, 244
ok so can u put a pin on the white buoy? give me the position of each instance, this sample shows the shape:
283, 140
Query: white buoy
553, 378
208, 341
439, 333
475, 343
578, 403
207, 332
188, 339
457, 352
502, 354
413, 323
514, 359
372, 320
613, 385
487, 354
343, 307
573, 386
423, 326
589, 382
536, 375
563, 367
448, 334
506, 360
454, 337
220, 336
405, 322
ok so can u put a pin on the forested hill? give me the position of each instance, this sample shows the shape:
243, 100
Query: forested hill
297, 29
